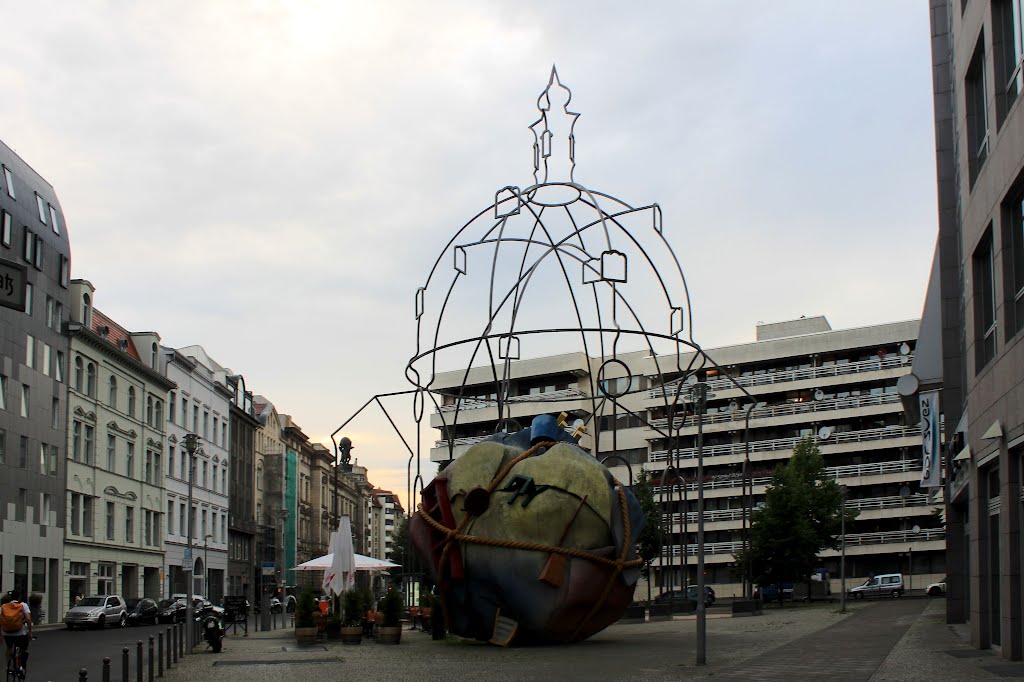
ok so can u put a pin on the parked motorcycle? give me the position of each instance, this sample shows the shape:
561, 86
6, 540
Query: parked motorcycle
213, 630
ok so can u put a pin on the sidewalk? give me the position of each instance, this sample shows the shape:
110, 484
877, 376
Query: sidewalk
799, 642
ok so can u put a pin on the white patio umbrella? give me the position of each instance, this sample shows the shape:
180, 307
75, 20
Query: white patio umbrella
362, 563
340, 575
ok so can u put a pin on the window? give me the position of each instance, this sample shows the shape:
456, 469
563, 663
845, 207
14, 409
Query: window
41, 207
28, 298
149, 410
184, 459
111, 453
5, 228
3, 392
9, 181
89, 431
78, 373
203, 469
192, 522
984, 302
184, 410
29, 250
977, 111
213, 473
65, 271
170, 460
129, 524
149, 466
170, 517
3, 446
75, 505
30, 352
206, 425
90, 380
54, 456
47, 507
110, 520
53, 220
47, 358
1013, 263
158, 417
130, 460
76, 441
37, 254
44, 451
181, 519
131, 402
147, 526
55, 414
54, 314
259, 476
58, 369
24, 400
204, 523
171, 407
23, 453
195, 419
224, 481
224, 434
87, 509
112, 392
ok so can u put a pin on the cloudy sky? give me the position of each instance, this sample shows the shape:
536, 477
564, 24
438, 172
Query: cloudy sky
273, 180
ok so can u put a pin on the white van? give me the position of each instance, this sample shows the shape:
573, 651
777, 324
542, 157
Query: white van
887, 585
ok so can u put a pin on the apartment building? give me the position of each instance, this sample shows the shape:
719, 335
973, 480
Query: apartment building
35, 260
115, 468
200, 405
976, 296
837, 387
243, 568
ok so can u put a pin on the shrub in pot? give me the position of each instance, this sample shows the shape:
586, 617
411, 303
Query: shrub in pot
391, 629
351, 628
305, 628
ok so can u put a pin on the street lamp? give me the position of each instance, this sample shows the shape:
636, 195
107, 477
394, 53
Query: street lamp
191, 447
842, 556
700, 403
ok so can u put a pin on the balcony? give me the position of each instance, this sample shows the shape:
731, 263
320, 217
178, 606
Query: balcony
470, 440
845, 471
666, 392
790, 443
714, 515
479, 403
809, 407
896, 537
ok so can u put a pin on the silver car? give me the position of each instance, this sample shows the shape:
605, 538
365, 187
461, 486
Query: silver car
97, 612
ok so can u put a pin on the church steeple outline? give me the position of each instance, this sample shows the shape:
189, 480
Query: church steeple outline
554, 146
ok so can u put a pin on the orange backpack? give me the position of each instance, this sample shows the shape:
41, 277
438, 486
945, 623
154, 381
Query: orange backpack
12, 618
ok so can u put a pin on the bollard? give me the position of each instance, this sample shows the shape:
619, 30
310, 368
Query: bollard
167, 664
174, 643
160, 654
106, 669
83, 675
149, 666
124, 665
138, 661
181, 639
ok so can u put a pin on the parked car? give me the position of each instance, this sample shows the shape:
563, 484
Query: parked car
142, 611
936, 589
887, 585
97, 612
771, 592
676, 596
171, 611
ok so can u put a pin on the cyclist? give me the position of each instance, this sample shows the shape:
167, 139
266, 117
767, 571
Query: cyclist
16, 625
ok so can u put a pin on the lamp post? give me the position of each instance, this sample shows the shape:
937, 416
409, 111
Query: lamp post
842, 556
191, 447
700, 402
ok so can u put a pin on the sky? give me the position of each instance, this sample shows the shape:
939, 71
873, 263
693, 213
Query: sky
274, 180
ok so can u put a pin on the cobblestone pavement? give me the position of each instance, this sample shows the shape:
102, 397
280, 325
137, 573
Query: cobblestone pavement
890, 639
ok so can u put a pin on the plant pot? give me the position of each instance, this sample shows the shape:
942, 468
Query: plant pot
351, 634
390, 635
305, 635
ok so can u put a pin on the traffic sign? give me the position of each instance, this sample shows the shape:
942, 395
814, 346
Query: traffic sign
268, 568
188, 554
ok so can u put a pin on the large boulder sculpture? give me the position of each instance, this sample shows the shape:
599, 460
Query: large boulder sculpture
530, 539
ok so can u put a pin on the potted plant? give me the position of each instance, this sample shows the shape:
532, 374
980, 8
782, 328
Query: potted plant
352, 625
391, 629
305, 627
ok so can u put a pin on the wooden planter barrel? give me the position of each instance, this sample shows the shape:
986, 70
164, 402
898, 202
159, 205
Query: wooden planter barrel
351, 634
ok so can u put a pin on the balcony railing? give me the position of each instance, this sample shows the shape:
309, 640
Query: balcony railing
784, 410
479, 403
790, 443
469, 440
784, 376
899, 537
890, 502
845, 471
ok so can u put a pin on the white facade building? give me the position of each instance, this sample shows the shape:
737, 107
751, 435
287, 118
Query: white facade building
199, 405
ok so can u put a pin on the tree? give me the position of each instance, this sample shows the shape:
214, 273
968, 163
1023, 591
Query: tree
649, 543
402, 552
799, 519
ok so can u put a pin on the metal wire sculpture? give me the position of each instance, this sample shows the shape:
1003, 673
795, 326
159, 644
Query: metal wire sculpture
555, 249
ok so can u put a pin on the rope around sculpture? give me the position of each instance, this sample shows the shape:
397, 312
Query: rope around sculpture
618, 565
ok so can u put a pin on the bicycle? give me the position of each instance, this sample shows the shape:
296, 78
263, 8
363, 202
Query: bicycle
15, 671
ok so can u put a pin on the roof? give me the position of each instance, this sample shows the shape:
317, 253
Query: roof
114, 334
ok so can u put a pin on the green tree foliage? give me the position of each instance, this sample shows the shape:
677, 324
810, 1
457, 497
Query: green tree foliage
799, 519
649, 543
402, 552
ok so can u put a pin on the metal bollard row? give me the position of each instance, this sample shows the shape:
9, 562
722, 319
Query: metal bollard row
138, 660
106, 669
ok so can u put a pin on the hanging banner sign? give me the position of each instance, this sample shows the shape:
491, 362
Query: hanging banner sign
931, 446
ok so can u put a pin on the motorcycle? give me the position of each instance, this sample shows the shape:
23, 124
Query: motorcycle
212, 626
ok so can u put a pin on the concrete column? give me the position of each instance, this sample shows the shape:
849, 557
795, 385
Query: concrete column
1009, 556
977, 563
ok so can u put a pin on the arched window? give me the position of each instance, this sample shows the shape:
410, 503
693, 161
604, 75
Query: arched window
259, 476
131, 401
259, 512
86, 304
78, 372
149, 410
159, 421
90, 380
112, 393
156, 356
